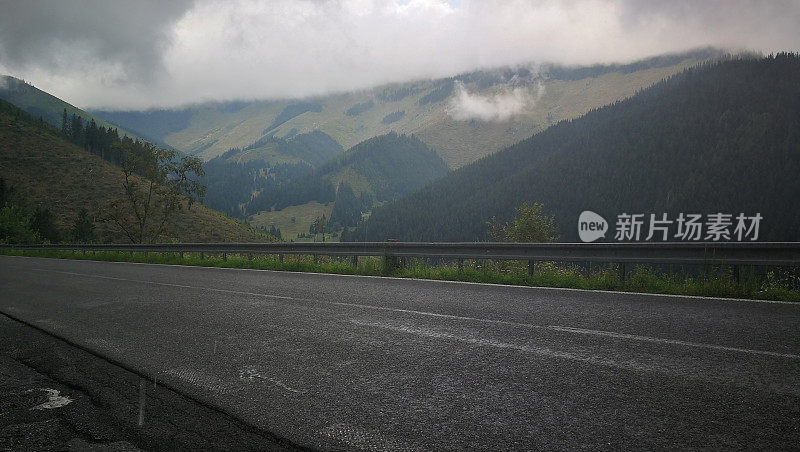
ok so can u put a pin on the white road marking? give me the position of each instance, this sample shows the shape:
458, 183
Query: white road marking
728, 374
536, 350
250, 374
443, 281
634, 337
558, 328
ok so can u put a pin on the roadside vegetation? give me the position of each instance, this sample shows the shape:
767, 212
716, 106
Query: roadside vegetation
718, 281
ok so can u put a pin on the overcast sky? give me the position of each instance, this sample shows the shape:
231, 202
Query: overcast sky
144, 53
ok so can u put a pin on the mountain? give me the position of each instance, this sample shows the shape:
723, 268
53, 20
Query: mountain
463, 118
45, 170
720, 138
40, 104
313, 148
382, 168
233, 177
375, 171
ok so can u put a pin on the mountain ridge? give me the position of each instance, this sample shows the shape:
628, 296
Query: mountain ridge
422, 108
42, 104
722, 137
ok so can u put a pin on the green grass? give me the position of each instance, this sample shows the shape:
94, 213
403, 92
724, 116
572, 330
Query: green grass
292, 220
775, 284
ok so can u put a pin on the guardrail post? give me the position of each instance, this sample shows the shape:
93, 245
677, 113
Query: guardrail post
622, 271
316, 258
181, 255
736, 275
354, 261
461, 265
280, 257
531, 267
202, 255
225, 256
390, 261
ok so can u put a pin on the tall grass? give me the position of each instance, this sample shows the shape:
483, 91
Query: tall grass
773, 284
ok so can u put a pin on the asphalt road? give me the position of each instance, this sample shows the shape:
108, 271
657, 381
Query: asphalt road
341, 362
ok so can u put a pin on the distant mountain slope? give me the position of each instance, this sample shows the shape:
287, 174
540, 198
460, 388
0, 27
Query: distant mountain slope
429, 109
153, 125
376, 171
48, 171
724, 137
40, 104
313, 148
381, 168
233, 177
389, 165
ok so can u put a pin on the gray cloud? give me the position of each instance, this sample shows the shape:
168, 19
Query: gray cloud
124, 38
743, 24
130, 54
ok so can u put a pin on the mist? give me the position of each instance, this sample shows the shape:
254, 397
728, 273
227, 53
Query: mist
136, 55
501, 105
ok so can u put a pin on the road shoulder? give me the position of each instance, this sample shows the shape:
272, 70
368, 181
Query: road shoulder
54, 396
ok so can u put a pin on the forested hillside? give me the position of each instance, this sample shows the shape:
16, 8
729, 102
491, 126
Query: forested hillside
723, 137
449, 115
45, 176
264, 166
377, 170
49, 108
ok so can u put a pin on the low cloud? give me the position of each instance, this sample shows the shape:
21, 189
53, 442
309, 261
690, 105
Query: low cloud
499, 105
146, 53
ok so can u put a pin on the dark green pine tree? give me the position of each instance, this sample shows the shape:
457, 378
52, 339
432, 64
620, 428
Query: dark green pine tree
65, 123
83, 228
43, 223
347, 207
3, 193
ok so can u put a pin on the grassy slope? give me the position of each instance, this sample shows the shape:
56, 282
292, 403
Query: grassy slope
458, 142
462, 142
292, 220
49, 171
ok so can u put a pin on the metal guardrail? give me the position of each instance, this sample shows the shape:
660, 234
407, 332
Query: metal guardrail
703, 253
